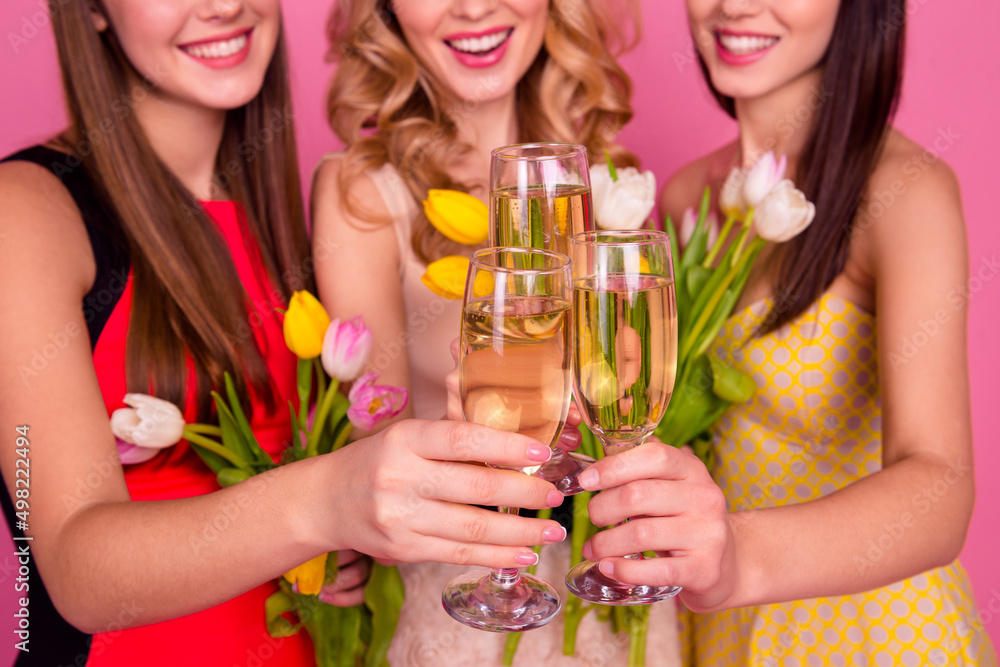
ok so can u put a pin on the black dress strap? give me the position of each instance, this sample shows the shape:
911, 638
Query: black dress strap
52, 642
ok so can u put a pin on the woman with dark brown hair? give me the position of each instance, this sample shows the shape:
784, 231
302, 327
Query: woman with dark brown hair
847, 479
149, 248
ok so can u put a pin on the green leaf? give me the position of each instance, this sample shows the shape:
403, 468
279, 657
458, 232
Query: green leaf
298, 449
232, 436
275, 605
680, 276
254, 451
691, 401
611, 167
730, 384
694, 280
384, 596
230, 476
696, 248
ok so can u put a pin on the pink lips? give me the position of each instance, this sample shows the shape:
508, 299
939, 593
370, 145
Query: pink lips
730, 58
228, 61
477, 60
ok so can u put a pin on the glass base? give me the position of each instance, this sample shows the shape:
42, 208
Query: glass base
587, 582
510, 602
564, 469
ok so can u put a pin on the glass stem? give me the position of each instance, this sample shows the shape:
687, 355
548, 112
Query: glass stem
506, 576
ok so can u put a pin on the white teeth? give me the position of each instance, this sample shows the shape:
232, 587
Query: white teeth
743, 44
221, 49
479, 45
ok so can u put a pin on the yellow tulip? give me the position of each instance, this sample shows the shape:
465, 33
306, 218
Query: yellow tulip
446, 276
309, 576
305, 326
458, 215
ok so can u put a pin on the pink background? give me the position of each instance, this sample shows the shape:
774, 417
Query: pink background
951, 79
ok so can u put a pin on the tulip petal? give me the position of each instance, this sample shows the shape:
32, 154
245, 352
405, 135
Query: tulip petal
458, 215
308, 576
446, 277
306, 322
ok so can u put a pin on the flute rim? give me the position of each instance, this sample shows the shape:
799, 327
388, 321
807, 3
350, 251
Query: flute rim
642, 236
572, 151
567, 262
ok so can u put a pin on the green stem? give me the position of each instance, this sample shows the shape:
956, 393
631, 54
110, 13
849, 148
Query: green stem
611, 167
342, 437
215, 448
304, 381
637, 631
312, 444
743, 238
707, 311
204, 429
718, 242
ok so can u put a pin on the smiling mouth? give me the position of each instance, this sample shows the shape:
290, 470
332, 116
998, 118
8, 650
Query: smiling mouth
219, 49
742, 45
478, 46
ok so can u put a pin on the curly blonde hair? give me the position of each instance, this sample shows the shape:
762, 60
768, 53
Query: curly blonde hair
386, 107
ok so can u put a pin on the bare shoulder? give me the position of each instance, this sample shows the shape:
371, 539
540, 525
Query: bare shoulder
329, 207
685, 186
40, 226
913, 196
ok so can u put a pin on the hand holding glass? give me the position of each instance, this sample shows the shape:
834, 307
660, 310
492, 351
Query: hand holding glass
514, 360
625, 322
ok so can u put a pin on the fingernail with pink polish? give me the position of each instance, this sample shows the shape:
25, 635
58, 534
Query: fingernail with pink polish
588, 551
554, 499
554, 534
526, 559
607, 569
539, 453
589, 478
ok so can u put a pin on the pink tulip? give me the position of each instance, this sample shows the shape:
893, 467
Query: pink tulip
690, 220
371, 403
763, 177
346, 348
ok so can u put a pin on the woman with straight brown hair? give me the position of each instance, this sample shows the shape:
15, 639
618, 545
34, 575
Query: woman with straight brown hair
847, 478
149, 248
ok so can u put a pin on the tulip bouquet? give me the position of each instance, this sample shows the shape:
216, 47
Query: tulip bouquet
329, 353
768, 208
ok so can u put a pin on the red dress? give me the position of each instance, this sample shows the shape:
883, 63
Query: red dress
232, 633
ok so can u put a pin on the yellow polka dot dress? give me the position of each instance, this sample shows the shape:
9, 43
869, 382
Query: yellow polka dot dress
814, 426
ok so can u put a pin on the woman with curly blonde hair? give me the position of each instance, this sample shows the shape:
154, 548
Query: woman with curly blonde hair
423, 92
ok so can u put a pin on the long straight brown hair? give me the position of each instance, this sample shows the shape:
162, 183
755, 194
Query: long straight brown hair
862, 81
187, 295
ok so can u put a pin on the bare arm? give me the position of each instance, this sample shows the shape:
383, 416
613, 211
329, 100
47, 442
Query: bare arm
389, 495
357, 272
923, 496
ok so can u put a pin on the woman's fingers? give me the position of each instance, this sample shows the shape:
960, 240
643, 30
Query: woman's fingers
464, 441
348, 589
648, 571
442, 550
568, 440
644, 497
652, 460
476, 485
460, 523
347, 556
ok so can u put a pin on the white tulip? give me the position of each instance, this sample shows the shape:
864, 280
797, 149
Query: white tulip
690, 220
149, 424
783, 214
731, 196
625, 203
762, 178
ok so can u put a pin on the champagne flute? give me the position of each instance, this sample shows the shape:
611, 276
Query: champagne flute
625, 316
539, 198
514, 370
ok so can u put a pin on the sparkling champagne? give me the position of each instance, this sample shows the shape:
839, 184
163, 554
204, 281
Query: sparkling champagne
514, 370
540, 216
626, 354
